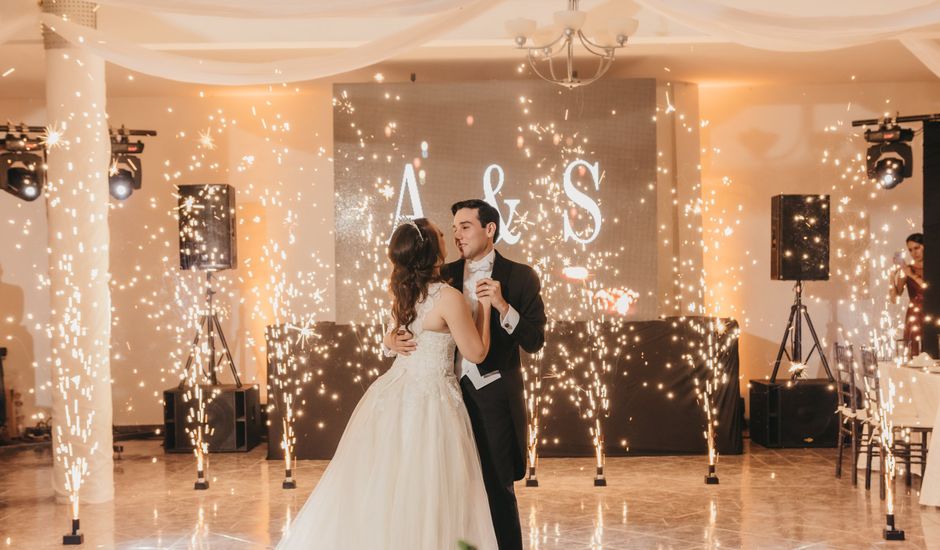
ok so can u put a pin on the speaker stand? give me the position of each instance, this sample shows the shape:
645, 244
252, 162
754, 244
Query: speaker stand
794, 333
210, 321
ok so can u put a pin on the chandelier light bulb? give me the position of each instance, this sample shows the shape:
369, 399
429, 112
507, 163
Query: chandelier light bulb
570, 20
520, 28
623, 26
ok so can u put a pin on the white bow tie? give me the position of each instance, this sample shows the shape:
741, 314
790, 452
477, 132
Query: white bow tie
480, 266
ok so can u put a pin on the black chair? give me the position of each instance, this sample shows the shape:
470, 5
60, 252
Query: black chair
905, 451
910, 452
851, 417
872, 428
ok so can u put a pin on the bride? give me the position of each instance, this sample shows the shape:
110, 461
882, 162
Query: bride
406, 474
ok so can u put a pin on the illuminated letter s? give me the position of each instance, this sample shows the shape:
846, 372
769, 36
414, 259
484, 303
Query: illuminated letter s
582, 200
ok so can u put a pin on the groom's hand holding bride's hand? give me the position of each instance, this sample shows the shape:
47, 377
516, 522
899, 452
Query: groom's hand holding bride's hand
491, 290
401, 342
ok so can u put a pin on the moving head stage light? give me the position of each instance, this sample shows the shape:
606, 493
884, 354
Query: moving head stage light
126, 173
22, 162
889, 159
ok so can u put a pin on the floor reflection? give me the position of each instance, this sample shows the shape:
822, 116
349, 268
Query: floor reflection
766, 499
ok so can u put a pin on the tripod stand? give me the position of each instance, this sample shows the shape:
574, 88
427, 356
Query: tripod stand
795, 329
210, 322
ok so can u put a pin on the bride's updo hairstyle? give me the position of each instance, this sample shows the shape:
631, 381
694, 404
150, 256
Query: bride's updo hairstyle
416, 255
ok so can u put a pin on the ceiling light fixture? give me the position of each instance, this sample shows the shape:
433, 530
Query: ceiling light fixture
542, 57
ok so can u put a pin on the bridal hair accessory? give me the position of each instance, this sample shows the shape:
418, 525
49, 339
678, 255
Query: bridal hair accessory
418, 229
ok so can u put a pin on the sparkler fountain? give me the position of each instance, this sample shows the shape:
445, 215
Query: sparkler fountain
80, 299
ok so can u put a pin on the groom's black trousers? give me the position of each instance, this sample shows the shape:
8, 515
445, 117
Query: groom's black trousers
496, 439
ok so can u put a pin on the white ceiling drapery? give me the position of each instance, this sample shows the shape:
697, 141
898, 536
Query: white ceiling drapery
927, 51
752, 25
277, 9
797, 31
14, 26
203, 71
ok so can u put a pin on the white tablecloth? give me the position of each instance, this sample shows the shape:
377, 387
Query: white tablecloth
917, 403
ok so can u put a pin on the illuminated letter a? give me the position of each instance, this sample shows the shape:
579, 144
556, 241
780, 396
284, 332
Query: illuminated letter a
409, 184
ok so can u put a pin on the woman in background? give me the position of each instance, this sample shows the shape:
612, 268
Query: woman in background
911, 277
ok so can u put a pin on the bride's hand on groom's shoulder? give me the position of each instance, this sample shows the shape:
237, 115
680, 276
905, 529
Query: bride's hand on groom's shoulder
401, 342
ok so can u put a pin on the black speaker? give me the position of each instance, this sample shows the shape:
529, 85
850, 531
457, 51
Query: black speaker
234, 419
930, 332
799, 238
794, 414
207, 227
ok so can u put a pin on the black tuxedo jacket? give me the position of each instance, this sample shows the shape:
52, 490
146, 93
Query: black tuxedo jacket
521, 289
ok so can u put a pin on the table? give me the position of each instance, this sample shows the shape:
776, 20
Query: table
917, 403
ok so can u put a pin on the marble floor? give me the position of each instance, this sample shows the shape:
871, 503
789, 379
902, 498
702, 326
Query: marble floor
766, 499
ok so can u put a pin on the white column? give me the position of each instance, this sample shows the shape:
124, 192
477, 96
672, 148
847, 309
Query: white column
77, 210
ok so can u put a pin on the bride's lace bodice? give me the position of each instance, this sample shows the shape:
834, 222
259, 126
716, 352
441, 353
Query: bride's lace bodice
433, 360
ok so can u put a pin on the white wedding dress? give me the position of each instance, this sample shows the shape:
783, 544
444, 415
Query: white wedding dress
406, 474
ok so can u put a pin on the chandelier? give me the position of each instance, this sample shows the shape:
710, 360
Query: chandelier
542, 57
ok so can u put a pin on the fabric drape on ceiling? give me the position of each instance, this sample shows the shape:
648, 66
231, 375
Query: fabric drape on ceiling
202, 71
927, 51
11, 28
797, 32
277, 9
790, 28
801, 32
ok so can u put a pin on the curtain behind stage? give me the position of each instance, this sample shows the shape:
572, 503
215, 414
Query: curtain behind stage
651, 388
652, 392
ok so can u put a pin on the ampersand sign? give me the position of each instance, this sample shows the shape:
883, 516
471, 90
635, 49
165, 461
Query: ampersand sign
489, 195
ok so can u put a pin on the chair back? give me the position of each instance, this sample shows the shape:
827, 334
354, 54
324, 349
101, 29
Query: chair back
872, 381
845, 377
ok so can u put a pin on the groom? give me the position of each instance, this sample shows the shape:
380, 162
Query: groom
493, 389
